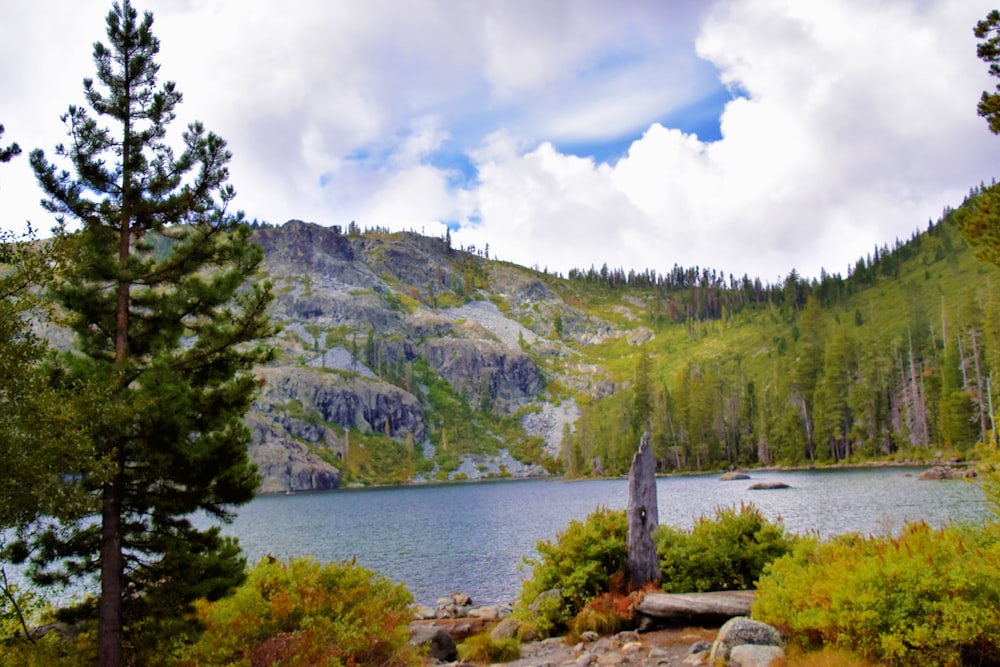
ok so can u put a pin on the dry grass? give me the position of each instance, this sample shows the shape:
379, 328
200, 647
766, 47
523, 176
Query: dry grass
826, 658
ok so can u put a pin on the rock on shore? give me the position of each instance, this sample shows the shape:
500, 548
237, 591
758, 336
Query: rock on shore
740, 642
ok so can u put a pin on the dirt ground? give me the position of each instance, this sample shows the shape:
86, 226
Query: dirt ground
669, 646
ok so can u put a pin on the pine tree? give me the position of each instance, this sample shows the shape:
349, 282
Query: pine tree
158, 294
642, 402
808, 369
979, 218
39, 434
8, 152
988, 51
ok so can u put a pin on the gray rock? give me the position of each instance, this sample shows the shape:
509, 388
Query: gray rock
742, 630
489, 612
700, 647
439, 643
659, 654
764, 486
554, 595
947, 472
423, 612
750, 655
508, 628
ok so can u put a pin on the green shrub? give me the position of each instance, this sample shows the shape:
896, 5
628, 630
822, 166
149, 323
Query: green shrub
305, 613
484, 649
580, 564
927, 597
24, 606
727, 552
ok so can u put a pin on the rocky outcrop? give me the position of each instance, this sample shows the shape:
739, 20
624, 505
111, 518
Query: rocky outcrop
291, 422
438, 643
420, 261
356, 307
484, 370
767, 486
287, 465
309, 248
347, 400
947, 472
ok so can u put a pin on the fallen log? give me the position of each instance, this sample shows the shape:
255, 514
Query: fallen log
693, 606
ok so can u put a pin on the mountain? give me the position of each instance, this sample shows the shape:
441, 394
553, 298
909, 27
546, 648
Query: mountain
403, 359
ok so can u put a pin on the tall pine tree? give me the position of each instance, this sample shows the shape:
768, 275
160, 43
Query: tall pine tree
159, 293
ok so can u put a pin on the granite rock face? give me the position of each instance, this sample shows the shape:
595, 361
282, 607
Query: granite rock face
356, 311
483, 370
286, 465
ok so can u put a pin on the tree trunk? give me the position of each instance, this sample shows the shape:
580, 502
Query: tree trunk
110, 625
642, 564
979, 385
110, 622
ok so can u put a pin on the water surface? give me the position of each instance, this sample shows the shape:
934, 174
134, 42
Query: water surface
472, 537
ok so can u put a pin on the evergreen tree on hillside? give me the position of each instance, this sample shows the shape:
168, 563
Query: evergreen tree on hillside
808, 369
988, 51
979, 219
157, 291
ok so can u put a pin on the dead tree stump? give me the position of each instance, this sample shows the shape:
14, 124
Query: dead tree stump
642, 565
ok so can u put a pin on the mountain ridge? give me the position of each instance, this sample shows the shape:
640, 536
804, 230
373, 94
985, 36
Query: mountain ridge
503, 363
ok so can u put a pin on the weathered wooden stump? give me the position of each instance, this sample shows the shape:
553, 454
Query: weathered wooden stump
642, 565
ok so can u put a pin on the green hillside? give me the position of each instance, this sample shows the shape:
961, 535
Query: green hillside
403, 359
890, 361
466, 367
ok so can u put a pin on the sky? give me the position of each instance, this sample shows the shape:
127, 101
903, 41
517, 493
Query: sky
748, 136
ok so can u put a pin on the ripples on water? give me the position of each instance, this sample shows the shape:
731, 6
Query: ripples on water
472, 537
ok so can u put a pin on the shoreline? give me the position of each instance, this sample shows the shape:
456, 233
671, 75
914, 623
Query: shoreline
810, 467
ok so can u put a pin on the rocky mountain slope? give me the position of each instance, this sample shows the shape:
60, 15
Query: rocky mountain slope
404, 359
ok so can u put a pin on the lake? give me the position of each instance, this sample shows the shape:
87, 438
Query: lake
472, 538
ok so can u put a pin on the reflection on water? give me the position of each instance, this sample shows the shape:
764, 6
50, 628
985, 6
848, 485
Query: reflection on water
472, 537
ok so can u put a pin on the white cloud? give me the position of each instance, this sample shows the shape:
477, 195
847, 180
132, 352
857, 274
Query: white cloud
858, 126
858, 121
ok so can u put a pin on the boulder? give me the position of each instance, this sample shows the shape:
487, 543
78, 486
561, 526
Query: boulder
422, 612
508, 628
439, 643
751, 655
742, 630
733, 475
764, 486
491, 612
947, 472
